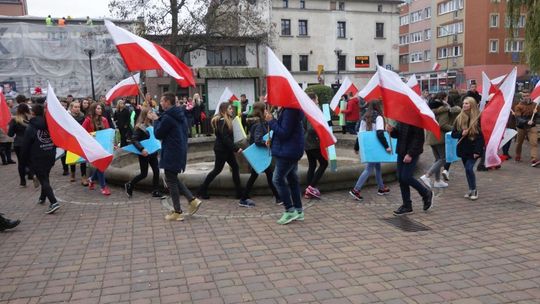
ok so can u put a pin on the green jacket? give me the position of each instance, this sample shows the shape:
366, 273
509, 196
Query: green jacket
443, 118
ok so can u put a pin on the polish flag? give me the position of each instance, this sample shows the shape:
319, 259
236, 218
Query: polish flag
140, 54
489, 86
346, 87
126, 87
5, 113
284, 91
69, 135
401, 103
436, 66
535, 94
372, 90
413, 84
495, 116
227, 95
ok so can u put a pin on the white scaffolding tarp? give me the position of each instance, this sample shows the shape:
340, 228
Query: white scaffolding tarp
32, 55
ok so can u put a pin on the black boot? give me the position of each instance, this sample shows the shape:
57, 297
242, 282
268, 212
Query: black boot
7, 223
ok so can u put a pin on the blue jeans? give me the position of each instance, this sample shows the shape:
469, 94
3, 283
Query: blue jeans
406, 180
100, 176
285, 180
366, 173
469, 163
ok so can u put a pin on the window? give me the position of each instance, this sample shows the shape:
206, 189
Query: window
302, 3
446, 52
285, 27
427, 55
302, 28
303, 62
341, 63
449, 6
493, 20
416, 37
427, 34
404, 20
226, 55
404, 39
286, 59
417, 57
285, 3
521, 21
416, 16
379, 8
493, 45
427, 13
380, 60
341, 29
341, 6
450, 29
404, 59
332, 5
379, 30
512, 46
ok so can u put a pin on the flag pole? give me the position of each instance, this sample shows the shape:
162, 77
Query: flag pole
138, 87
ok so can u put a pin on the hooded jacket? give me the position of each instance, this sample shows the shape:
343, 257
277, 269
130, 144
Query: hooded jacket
38, 150
288, 138
172, 129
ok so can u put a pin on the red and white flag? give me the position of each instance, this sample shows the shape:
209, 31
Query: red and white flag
535, 94
413, 84
372, 90
227, 96
495, 116
401, 103
346, 87
436, 66
140, 54
5, 113
69, 135
284, 91
489, 86
126, 87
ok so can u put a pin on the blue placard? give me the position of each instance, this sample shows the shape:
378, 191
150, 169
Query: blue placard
371, 150
151, 144
258, 157
104, 137
450, 147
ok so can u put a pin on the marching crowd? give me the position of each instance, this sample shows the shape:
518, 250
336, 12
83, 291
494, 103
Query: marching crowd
174, 120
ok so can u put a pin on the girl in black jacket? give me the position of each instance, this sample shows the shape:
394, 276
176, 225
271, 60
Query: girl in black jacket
257, 131
17, 128
224, 150
38, 152
122, 119
471, 144
139, 134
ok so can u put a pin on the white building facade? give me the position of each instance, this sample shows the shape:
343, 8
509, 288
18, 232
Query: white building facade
322, 41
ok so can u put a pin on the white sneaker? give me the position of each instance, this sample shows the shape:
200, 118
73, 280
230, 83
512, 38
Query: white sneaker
440, 184
468, 194
446, 175
474, 195
426, 180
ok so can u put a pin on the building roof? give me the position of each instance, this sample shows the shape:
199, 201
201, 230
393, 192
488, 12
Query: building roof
224, 72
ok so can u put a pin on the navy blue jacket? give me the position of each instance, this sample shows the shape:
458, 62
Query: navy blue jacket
172, 129
288, 137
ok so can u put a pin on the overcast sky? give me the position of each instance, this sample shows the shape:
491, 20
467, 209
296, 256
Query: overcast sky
73, 8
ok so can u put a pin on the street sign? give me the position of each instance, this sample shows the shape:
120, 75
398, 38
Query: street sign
361, 61
388, 67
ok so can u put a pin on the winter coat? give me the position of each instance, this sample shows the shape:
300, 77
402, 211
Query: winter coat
352, 112
467, 147
79, 118
38, 150
88, 125
122, 118
311, 139
442, 116
410, 139
224, 138
172, 129
17, 129
288, 137
257, 131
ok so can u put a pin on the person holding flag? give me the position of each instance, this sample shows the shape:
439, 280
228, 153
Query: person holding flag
524, 112
471, 143
314, 156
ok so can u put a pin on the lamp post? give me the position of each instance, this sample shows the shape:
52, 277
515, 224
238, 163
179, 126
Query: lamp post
90, 52
338, 54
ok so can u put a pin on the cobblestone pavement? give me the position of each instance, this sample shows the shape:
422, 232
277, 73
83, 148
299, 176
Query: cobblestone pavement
115, 250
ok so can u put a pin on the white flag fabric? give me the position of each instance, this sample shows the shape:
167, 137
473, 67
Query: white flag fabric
346, 87
227, 96
126, 87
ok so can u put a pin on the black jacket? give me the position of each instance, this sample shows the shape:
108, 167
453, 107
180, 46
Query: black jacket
122, 118
257, 131
38, 150
79, 118
468, 147
139, 134
17, 130
474, 95
224, 138
410, 139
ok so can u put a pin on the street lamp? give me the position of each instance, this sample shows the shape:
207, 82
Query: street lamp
338, 54
90, 52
